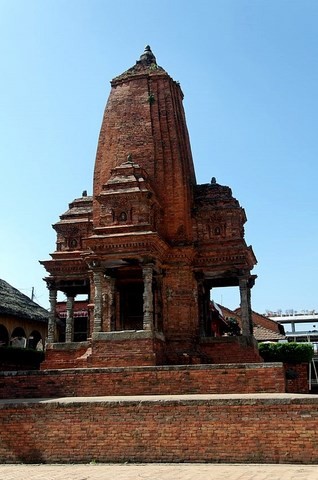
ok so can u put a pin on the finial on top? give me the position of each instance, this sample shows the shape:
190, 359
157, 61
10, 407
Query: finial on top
148, 57
213, 180
84, 194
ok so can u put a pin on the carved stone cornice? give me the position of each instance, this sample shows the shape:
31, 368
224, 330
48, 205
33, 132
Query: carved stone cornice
145, 243
65, 267
229, 259
224, 259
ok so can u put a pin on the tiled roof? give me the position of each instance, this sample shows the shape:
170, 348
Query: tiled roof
271, 332
265, 335
15, 303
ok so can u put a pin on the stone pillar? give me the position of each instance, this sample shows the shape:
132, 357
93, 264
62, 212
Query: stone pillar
201, 307
69, 326
246, 310
51, 334
158, 312
207, 312
109, 302
98, 301
147, 273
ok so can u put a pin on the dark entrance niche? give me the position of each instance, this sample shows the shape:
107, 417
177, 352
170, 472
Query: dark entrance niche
131, 306
129, 287
4, 336
34, 339
80, 328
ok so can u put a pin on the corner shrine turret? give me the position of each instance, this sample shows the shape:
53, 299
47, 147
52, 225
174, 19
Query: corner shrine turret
150, 244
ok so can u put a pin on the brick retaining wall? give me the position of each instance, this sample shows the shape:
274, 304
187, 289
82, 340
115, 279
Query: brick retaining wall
296, 377
266, 428
227, 378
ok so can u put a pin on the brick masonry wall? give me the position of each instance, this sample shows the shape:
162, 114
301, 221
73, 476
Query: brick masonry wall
65, 357
231, 349
192, 379
274, 429
296, 377
180, 310
125, 352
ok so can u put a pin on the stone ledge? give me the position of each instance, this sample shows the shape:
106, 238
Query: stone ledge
193, 399
127, 335
156, 369
241, 339
68, 345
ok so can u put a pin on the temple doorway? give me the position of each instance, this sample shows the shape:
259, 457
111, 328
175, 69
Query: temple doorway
131, 306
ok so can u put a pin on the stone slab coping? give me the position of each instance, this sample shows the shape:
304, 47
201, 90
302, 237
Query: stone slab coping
157, 368
193, 399
127, 335
167, 471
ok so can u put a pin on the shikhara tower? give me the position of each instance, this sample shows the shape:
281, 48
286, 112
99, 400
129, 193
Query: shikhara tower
150, 244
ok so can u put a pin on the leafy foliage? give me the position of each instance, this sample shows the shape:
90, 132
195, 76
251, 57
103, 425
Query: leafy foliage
291, 352
20, 356
233, 328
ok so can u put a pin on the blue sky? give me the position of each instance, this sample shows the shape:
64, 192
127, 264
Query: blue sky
248, 69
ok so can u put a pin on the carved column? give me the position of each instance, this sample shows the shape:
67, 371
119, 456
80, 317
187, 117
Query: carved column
246, 310
207, 312
98, 300
201, 306
157, 299
51, 334
69, 327
147, 273
109, 302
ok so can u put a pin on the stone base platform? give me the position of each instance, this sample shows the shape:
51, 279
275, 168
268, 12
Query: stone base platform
250, 428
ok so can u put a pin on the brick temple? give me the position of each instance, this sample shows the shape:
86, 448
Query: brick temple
146, 250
